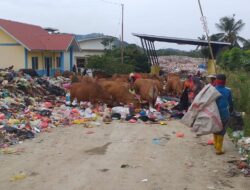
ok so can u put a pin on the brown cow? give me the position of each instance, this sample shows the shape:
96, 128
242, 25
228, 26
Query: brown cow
89, 91
120, 92
174, 84
147, 90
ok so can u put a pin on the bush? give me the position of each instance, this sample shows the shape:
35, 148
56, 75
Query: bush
234, 59
134, 61
239, 82
109, 65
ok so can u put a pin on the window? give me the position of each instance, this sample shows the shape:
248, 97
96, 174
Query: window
35, 63
58, 62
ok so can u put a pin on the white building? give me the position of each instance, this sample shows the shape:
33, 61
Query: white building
89, 47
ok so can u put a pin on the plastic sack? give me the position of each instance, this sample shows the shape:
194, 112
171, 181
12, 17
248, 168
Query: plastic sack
203, 115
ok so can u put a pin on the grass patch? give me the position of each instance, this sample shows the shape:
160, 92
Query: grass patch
239, 82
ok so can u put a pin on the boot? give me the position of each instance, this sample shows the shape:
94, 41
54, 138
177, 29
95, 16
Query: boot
215, 141
219, 145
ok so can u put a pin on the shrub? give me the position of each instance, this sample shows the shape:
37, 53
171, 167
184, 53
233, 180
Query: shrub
239, 82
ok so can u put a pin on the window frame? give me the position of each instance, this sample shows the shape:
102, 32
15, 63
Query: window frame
35, 63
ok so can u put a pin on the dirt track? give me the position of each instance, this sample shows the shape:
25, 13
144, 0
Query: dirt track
70, 159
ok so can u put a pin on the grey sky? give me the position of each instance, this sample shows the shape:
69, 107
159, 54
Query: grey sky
174, 18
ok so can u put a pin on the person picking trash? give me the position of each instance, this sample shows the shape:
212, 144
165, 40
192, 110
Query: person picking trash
225, 107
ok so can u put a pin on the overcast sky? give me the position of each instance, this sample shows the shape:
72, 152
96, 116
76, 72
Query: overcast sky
173, 18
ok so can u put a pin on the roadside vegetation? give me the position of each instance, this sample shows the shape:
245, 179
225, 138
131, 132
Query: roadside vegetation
239, 82
134, 61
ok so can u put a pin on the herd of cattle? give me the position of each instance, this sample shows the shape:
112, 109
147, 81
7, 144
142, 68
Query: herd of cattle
115, 91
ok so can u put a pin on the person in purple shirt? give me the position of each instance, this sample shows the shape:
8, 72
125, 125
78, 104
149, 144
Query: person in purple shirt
225, 106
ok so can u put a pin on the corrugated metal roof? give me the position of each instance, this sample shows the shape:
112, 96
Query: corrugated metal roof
180, 40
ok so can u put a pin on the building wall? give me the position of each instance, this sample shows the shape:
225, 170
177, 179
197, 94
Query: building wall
41, 61
41, 55
11, 53
94, 44
5, 38
67, 61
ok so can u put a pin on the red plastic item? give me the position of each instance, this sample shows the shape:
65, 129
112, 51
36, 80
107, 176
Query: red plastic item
180, 135
48, 105
44, 125
2, 116
210, 142
132, 121
90, 132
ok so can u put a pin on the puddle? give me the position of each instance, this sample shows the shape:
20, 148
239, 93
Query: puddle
98, 150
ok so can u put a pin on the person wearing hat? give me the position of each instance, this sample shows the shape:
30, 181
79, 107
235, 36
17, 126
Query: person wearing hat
212, 79
225, 106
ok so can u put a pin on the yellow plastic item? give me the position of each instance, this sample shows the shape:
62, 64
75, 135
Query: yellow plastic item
14, 121
155, 70
79, 121
19, 176
163, 123
211, 67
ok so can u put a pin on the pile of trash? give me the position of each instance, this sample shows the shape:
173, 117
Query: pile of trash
180, 64
30, 105
244, 149
243, 145
26, 105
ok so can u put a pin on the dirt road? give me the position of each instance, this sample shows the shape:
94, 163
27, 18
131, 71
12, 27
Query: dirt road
120, 156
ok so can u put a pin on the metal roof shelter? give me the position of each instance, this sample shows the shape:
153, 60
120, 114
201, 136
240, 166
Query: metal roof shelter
147, 42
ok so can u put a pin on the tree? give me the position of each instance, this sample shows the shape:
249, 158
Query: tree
230, 29
204, 50
246, 45
108, 42
134, 61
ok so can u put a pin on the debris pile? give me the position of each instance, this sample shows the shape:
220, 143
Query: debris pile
30, 105
243, 145
180, 64
26, 105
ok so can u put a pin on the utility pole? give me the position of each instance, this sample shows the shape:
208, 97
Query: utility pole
122, 47
205, 27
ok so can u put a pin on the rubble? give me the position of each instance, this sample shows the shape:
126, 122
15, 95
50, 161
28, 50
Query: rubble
181, 64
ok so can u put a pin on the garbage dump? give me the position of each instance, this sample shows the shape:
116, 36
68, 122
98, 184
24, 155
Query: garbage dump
30, 105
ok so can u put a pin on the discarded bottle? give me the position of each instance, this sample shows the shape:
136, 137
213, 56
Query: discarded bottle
68, 99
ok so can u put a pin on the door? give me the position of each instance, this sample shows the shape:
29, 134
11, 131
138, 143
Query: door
48, 65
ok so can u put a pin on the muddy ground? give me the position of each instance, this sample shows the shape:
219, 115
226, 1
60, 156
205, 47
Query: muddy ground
120, 156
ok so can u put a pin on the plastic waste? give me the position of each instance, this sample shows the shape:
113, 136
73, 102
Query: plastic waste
19, 176
179, 134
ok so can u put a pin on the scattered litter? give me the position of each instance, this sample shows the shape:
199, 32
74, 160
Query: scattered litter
156, 141
104, 170
125, 166
12, 150
210, 142
90, 132
144, 180
18, 177
232, 172
163, 123
179, 134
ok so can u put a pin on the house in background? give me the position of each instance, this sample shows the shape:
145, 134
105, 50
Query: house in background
30, 46
91, 44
